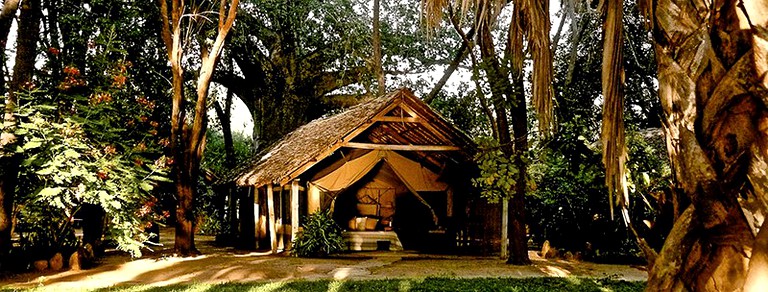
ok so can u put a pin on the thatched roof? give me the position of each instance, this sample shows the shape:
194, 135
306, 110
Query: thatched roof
310, 143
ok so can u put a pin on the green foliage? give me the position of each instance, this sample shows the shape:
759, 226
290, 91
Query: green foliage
88, 132
463, 110
215, 154
497, 170
210, 201
569, 205
428, 284
321, 236
65, 169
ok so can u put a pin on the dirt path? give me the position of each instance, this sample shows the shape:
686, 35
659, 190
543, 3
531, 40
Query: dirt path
219, 265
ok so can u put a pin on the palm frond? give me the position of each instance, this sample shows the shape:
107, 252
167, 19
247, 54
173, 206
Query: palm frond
613, 136
538, 27
432, 12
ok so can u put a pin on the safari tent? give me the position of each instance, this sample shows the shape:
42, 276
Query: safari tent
390, 169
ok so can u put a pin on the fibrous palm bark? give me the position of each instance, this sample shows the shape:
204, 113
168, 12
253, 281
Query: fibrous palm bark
712, 58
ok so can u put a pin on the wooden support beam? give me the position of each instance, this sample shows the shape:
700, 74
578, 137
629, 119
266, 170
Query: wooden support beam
256, 215
294, 210
504, 223
449, 202
288, 188
397, 119
373, 146
425, 123
272, 225
262, 229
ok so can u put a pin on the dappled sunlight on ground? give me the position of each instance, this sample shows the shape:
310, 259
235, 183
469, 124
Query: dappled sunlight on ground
219, 265
553, 271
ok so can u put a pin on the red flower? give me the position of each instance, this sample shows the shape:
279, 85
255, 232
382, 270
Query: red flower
118, 81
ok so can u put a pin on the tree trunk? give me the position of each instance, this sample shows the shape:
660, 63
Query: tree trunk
377, 48
184, 241
93, 225
501, 87
6, 19
8, 178
225, 114
518, 239
712, 67
188, 139
26, 51
461, 53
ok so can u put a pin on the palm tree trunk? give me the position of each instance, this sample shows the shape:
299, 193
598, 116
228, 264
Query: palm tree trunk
712, 85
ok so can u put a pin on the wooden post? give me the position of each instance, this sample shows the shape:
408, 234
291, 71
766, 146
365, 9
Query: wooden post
313, 198
255, 215
504, 224
449, 202
261, 221
272, 227
294, 209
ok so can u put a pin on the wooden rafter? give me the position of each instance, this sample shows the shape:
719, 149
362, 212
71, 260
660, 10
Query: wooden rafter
425, 123
398, 137
330, 150
398, 119
397, 147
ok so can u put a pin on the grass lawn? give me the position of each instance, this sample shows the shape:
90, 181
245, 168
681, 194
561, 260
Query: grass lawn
428, 284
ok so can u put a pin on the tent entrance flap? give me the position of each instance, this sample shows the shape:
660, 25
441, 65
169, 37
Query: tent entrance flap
396, 171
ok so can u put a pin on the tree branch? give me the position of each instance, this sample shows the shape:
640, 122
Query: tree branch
461, 53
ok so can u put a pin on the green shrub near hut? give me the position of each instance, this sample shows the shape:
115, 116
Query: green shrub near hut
321, 236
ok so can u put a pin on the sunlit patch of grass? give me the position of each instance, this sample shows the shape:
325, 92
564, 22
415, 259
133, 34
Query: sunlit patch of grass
405, 285
335, 286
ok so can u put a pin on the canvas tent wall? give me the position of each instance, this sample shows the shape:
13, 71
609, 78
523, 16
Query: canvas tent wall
393, 175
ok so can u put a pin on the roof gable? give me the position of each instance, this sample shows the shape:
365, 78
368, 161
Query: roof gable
398, 119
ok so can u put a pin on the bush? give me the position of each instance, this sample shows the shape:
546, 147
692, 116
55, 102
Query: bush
321, 236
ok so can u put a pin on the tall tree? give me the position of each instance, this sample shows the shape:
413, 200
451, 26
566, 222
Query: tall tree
713, 88
188, 129
7, 15
23, 69
504, 74
376, 42
295, 56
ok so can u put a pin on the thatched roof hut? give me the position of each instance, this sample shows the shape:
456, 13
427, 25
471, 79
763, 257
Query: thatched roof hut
391, 158
310, 143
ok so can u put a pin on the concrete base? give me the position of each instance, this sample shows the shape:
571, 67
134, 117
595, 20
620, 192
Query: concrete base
369, 240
